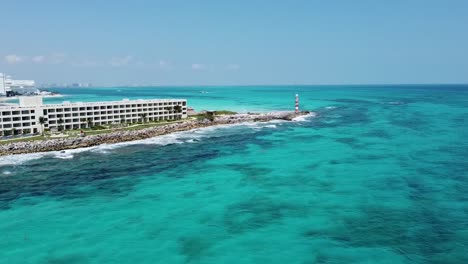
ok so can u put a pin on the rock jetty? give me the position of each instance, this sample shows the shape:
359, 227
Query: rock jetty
129, 135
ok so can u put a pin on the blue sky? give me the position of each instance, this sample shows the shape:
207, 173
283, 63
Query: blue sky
236, 42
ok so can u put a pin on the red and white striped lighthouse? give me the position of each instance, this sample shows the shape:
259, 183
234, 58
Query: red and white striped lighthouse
297, 103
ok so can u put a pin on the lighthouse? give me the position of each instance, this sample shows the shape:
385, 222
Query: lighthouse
297, 103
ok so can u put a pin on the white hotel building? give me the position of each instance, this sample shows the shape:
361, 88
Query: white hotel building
7, 84
24, 117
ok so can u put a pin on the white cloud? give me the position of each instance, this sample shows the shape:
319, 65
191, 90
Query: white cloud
85, 63
233, 66
198, 66
38, 59
121, 61
165, 65
13, 58
56, 58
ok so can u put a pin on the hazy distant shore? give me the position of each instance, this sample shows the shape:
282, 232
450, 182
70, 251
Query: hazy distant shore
4, 99
59, 144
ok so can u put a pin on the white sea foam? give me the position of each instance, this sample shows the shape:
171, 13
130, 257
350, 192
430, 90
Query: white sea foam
190, 136
303, 118
330, 107
20, 158
63, 155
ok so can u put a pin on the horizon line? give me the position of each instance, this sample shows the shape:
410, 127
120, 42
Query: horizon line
249, 85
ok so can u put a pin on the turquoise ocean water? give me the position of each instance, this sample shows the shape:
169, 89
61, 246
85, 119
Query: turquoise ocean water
379, 176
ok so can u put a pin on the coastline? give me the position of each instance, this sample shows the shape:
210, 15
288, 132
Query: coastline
5, 99
60, 144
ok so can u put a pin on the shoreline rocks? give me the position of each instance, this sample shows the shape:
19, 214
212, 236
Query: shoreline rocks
130, 135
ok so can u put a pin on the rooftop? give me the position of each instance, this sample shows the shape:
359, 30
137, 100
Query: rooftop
36, 101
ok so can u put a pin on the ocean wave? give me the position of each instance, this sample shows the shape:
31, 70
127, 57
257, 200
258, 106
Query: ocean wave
6, 173
304, 118
21, 158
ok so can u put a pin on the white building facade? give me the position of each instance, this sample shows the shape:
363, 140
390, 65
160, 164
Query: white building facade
7, 84
26, 117
2, 85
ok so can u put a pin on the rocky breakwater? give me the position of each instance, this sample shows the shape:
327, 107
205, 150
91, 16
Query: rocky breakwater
129, 135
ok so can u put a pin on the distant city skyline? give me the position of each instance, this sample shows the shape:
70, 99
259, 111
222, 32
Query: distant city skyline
178, 43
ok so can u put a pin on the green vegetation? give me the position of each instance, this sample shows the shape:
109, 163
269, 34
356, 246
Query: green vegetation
225, 112
42, 121
103, 129
25, 139
210, 115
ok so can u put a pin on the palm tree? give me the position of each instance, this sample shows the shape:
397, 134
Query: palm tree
143, 117
60, 122
89, 121
168, 109
178, 110
42, 121
83, 120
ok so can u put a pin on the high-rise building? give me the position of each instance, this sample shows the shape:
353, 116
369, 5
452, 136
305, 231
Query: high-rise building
2, 85
9, 85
